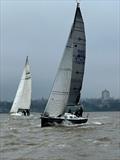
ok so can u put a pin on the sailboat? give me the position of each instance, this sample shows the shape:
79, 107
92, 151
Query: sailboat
22, 101
67, 86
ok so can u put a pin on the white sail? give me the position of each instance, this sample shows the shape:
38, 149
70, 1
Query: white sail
60, 91
23, 96
68, 82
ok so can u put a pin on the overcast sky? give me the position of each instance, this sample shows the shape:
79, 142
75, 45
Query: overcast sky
40, 28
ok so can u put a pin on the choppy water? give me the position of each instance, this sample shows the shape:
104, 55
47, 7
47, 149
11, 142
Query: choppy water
24, 139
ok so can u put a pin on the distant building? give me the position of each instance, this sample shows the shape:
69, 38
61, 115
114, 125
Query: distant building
105, 95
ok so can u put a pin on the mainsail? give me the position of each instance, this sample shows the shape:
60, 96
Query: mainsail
78, 60
23, 96
68, 82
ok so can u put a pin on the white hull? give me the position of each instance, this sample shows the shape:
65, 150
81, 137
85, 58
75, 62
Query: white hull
16, 114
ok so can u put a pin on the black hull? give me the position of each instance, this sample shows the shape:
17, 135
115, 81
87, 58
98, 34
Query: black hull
51, 121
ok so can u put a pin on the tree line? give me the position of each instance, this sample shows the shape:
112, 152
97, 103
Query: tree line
90, 105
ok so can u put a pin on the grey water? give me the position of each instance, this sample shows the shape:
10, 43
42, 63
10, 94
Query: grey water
22, 138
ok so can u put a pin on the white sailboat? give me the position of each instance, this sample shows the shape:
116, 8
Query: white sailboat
22, 101
68, 82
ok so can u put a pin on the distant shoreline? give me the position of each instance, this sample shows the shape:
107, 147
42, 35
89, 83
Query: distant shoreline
90, 105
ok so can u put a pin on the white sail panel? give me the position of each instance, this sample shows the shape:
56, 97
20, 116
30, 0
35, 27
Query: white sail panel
60, 91
26, 94
79, 42
23, 96
16, 102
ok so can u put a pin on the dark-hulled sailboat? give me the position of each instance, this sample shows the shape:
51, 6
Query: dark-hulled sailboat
68, 82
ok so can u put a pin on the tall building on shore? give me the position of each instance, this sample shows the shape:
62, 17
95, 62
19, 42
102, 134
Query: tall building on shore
105, 95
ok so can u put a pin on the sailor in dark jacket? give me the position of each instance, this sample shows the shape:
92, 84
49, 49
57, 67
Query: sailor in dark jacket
79, 112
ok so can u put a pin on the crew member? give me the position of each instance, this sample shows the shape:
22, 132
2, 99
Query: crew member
79, 112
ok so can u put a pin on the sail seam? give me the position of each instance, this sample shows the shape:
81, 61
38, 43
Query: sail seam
60, 92
78, 30
79, 21
79, 43
68, 46
65, 69
27, 78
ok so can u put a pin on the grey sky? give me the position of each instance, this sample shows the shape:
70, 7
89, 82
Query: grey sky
39, 29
